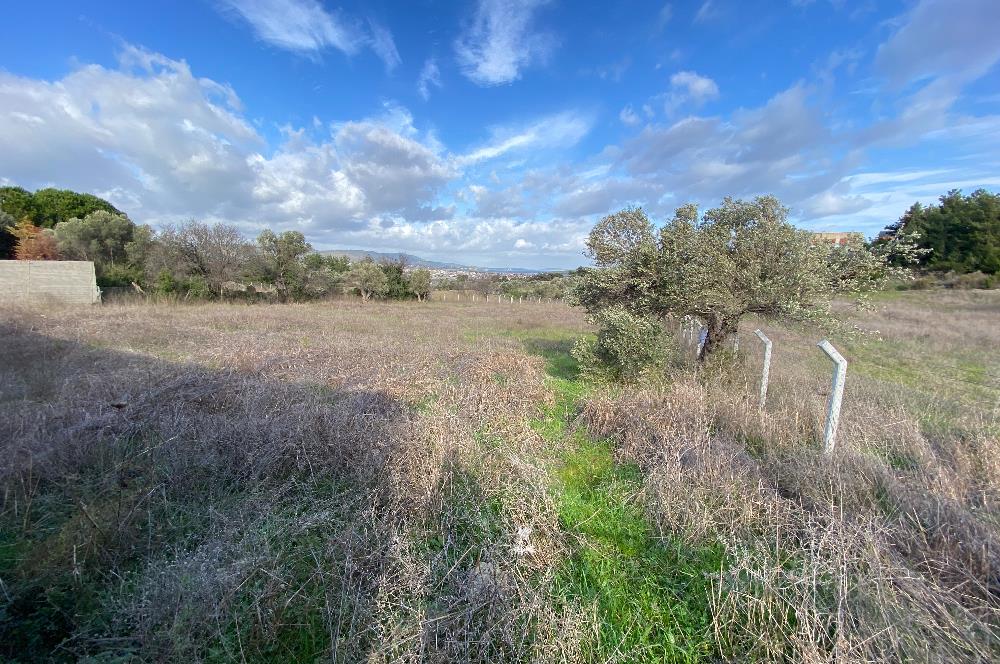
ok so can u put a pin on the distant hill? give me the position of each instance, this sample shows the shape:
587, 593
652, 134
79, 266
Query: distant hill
360, 254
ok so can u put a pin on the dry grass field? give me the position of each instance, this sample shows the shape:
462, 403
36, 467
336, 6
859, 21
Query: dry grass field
433, 482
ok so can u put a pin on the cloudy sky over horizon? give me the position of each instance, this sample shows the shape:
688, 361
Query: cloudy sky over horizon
496, 133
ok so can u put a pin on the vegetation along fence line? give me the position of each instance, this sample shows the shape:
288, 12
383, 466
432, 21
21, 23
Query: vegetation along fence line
693, 333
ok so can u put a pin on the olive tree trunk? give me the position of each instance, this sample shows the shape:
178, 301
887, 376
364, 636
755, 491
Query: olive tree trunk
719, 329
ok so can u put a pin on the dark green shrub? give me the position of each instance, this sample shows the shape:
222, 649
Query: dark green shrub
165, 283
117, 275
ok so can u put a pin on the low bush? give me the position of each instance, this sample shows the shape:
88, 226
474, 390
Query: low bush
952, 280
971, 280
627, 346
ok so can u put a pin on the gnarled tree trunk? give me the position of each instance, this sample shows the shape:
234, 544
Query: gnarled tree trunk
718, 330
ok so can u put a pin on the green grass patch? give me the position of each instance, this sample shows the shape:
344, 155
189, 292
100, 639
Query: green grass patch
651, 596
555, 346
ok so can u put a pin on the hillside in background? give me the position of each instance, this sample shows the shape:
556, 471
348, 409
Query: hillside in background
417, 261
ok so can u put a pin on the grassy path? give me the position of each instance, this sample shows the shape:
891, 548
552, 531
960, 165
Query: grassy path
650, 595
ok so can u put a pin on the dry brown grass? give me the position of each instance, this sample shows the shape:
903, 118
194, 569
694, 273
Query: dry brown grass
361, 483
276, 483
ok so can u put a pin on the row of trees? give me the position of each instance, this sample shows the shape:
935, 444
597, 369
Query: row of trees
201, 260
547, 285
192, 259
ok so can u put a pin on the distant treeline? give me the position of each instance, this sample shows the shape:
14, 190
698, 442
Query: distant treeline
546, 285
198, 260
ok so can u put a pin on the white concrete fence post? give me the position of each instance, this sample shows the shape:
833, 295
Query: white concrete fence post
836, 395
765, 372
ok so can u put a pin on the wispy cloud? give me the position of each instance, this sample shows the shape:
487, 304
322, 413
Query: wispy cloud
559, 130
663, 17
430, 75
297, 25
708, 11
629, 117
942, 38
307, 28
384, 46
501, 41
939, 49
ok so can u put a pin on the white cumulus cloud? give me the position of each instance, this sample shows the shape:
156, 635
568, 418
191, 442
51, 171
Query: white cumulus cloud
688, 86
167, 144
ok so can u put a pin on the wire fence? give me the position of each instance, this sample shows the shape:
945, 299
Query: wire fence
983, 393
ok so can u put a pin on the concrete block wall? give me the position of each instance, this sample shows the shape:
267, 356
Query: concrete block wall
49, 282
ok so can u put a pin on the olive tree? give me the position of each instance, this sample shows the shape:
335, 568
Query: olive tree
740, 258
280, 258
324, 274
368, 278
626, 348
420, 283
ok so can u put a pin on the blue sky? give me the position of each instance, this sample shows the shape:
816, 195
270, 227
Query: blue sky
498, 132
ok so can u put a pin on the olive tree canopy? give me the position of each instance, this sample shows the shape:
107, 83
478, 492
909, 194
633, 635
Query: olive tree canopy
420, 282
368, 278
742, 257
281, 260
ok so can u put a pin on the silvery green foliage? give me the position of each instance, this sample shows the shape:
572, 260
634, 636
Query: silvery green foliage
420, 282
368, 278
627, 346
742, 257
